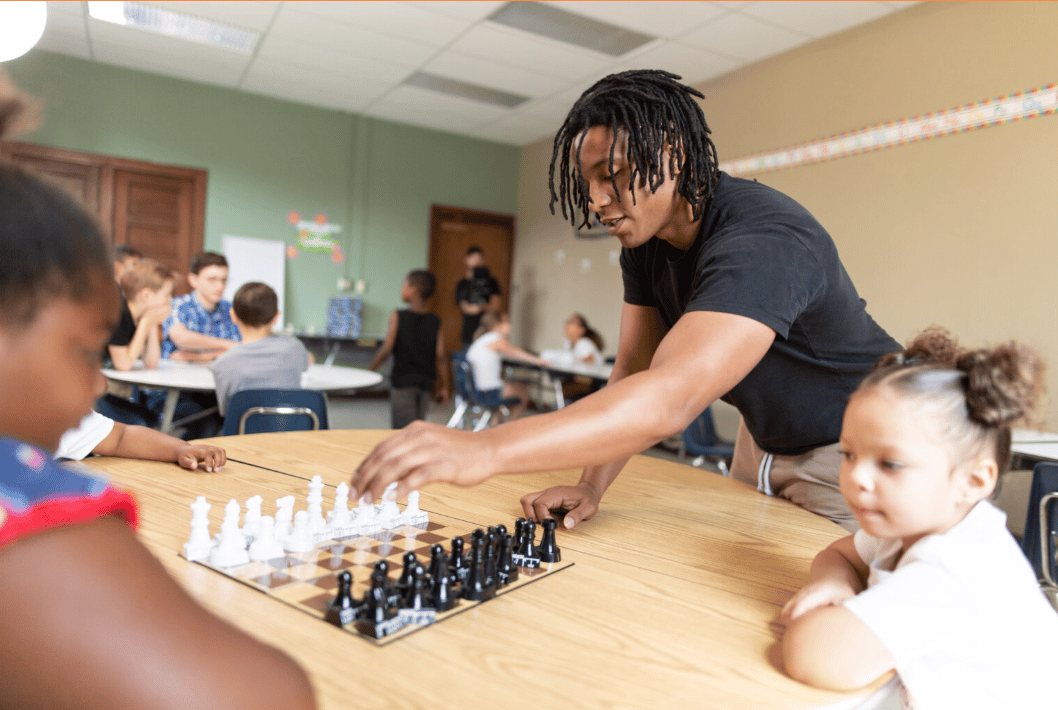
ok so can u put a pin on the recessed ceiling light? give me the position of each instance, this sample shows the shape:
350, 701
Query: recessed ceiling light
174, 24
548, 21
465, 90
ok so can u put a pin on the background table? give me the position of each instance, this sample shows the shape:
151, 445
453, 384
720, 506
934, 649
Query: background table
671, 602
176, 377
556, 372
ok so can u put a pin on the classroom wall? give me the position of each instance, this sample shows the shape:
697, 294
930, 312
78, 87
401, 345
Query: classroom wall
957, 231
267, 157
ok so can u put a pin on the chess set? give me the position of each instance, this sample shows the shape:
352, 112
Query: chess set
340, 568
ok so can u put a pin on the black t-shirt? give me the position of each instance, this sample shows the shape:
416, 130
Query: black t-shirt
761, 255
415, 350
477, 291
124, 331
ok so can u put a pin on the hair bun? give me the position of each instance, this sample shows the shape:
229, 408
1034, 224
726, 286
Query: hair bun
1002, 384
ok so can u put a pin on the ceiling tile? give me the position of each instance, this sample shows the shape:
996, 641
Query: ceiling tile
293, 79
302, 27
816, 19
529, 52
406, 20
334, 62
472, 10
76, 9
743, 37
485, 72
661, 19
692, 64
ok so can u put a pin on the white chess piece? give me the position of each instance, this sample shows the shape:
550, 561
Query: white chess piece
340, 518
231, 545
264, 545
300, 538
389, 511
284, 516
198, 546
252, 520
366, 518
413, 515
317, 524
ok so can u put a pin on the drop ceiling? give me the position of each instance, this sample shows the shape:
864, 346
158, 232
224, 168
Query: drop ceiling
369, 57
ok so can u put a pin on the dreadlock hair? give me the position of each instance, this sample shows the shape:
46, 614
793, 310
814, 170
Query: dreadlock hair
656, 112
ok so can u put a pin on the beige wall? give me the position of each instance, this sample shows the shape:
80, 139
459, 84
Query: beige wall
957, 231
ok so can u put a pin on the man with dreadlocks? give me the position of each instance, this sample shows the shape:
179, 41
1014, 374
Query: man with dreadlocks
732, 291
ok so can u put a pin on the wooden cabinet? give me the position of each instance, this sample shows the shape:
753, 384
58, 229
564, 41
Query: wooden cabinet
155, 208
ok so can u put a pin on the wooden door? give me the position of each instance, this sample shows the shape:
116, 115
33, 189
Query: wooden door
452, 231
160, 214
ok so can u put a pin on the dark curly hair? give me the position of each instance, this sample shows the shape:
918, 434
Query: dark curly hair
982, 392
657, 114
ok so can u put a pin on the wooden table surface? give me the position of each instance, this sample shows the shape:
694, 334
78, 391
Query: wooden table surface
671, 601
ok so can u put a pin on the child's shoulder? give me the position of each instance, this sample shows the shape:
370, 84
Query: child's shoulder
37, 493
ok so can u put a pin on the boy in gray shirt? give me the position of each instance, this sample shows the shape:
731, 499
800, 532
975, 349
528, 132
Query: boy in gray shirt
261, 360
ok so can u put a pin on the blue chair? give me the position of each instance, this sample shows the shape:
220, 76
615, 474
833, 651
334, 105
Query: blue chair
264, 410
1041, 528
469, 400
701, 440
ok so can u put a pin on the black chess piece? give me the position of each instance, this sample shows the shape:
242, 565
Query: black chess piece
442, 595
342, 609
417, 598
529, 540
548, 549
491, 549
501, 530
519, 536
457, 562
376, 609
438, 562
506, 570
405, 579
474, 587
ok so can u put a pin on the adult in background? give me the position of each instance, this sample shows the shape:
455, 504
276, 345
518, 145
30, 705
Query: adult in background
476, 293
732, 291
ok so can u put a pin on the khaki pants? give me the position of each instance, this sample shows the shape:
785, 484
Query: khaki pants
810, 480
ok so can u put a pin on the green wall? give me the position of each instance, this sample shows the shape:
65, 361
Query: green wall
266, 157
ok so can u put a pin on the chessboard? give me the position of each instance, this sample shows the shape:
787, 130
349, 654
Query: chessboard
397, 577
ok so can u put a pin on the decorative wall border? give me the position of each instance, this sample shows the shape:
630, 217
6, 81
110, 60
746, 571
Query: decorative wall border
968, 117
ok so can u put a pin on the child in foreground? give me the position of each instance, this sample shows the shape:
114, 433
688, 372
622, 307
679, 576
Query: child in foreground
262, 360
415, 339
932, 586
91, 619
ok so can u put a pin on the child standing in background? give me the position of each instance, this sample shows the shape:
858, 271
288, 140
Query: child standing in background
933, 585
261, 360
414, 338
91, 619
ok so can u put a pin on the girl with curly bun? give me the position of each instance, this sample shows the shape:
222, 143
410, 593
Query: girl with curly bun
932, 586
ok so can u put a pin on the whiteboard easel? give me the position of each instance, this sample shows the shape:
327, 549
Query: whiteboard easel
256, 260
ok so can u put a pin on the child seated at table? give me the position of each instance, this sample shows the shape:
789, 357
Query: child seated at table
415, 339
485, 356
932, 585
583, 341
91, 619
100, 435
262, 360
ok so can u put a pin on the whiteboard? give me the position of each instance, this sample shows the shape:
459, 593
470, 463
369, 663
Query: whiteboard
256, 260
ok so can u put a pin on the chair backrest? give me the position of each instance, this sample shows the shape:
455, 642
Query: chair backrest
1041, 520
459, 375
268, 410
472, 393
700, 437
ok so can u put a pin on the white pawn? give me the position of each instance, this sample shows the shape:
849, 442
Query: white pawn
252, 520
317, 524
340, 518
413, 515
231, 545
300, 538
366, 517
264, 545
284, 516
389, 511
199, 544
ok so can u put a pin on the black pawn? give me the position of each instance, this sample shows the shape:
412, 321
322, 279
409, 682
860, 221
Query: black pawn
457, 562
491, 550
506, 570
529, 540
416, 597
549, 551
376, 608
405, 579
501, 530
438, 563
342, 609
474, 588
441, 594
519, 535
